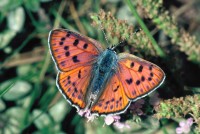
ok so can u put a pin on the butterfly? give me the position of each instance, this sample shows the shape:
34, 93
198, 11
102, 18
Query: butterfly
93, 78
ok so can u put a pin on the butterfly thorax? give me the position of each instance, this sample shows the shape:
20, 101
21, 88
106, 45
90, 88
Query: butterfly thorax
103, 70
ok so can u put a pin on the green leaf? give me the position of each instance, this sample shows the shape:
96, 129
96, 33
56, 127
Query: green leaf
2, 105
196, 90
59, 110
8, 5
13, 120
23, 70
42, 119
18, 90
5, 37
32, 5
16, 19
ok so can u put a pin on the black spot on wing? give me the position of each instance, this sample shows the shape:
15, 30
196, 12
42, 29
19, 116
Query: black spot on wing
74, 84
133, 92
76, 42
149, 79
62, 39
150, 67
67, 53
69, 89
140, 68
132, 64
107, 102
79, 74
142, 78
75, 90
85, 46
74, 58
61, 43
68, 34
111, 107
116, 88
138, 82
99, 104
129, 81
66, 47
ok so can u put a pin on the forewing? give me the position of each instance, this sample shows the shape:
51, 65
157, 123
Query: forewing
138, 77
71, 50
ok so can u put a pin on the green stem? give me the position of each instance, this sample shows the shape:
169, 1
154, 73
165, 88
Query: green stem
158, 50
63, 22
6, 89
45, 66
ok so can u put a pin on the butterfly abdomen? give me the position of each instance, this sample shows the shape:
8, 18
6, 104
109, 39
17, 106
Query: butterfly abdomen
103, 70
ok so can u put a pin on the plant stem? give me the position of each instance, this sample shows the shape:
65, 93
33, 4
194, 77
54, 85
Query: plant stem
158, 50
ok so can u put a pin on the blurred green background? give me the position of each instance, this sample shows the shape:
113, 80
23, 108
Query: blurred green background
30, 101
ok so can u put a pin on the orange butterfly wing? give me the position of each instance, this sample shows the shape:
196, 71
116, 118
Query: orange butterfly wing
71, 50
73, 55
133, 79
73, 85
113, 99
138, 77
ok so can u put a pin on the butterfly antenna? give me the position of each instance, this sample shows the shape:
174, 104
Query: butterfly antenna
102, 29
121, 42
124, 40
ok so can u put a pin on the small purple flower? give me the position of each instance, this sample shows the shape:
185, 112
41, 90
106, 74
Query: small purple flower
154, 99
136, 107
184, 126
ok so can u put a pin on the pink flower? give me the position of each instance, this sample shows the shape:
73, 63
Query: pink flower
121, 125
87, 114
154, 99
136, 107
114, 119
111, 119
81, 112
184, 126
